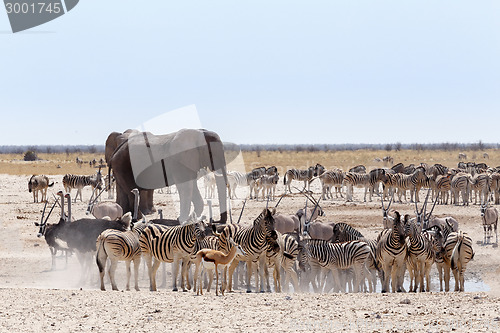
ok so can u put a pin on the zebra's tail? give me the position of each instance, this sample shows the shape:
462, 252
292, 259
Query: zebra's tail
455, 255
101, 252
284, 179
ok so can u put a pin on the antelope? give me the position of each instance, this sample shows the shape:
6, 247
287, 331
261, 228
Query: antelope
213, 259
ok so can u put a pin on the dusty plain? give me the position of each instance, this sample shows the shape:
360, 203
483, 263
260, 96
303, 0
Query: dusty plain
34, 298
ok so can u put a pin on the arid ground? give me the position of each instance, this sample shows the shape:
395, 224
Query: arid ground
34, 298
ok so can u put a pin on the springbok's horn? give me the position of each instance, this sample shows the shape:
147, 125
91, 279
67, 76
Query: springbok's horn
242, 208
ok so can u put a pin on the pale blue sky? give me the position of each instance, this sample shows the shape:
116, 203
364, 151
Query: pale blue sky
257, 71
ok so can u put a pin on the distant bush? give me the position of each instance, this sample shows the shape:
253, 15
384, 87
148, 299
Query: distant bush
30, 155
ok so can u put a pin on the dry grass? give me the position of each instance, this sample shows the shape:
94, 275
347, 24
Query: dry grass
57, 164
48, 164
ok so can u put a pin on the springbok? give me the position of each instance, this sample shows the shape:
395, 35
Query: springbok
213, 259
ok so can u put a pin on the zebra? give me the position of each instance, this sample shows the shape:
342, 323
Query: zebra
254, 240
271, 171
110, 185
267, 184
352, 179
481, 184
436, 170
389, 184
358, 169
323, 255
489, 215
460, 184
39, 183
421, 251
375, 177
443, 187
75, 181
328, 179
458, 247
391, 254
409, 182
462, 156
119, 246
495, 186
297, 174
284, 258
343, 232
388, 160
79, 161
209, 184
170, 244
235, 179
398, 168
409, 169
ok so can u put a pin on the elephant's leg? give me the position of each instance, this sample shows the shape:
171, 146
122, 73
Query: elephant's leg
185, 195
197, 199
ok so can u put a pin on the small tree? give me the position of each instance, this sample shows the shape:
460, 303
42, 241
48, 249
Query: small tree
388, 147
30, 155
398, 146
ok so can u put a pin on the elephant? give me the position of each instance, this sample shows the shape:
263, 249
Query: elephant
147, 162
114, 140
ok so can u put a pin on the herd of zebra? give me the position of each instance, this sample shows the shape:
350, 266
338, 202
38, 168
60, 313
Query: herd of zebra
468, 182
353, 261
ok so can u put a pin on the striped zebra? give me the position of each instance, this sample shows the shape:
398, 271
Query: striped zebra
495, 186
329, 179
481, 184
235, 179
343, 232
376, 176
421, 249
253, 240
459, 252
409, 182
75, 181
358, 169
284, 258
443, 187
398, 168
352, 179
391, 254
267, 184
389, 184
323, 256
299, 175
460, 183
119, 246
436, 170
170, 244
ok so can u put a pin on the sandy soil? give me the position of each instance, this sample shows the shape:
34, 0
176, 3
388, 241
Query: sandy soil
35, 298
